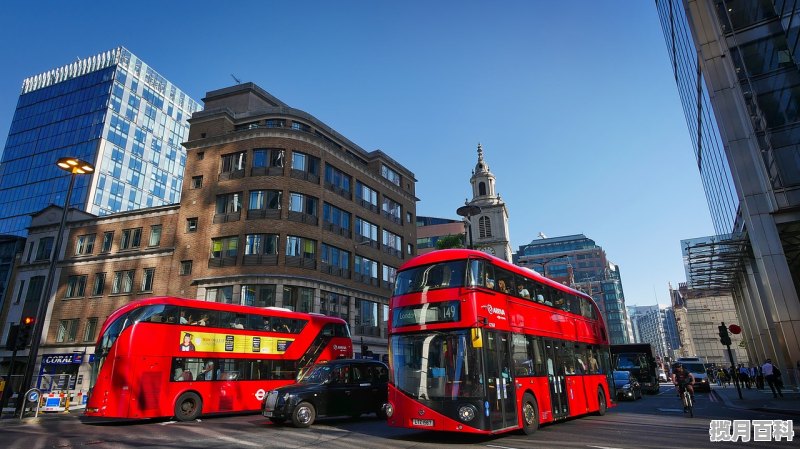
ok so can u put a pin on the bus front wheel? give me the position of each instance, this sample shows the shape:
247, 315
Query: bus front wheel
188, 406
530, 414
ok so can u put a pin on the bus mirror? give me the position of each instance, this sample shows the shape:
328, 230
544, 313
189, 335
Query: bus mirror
477, 339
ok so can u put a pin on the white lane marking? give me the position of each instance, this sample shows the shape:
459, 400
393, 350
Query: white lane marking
605, 447
500, 447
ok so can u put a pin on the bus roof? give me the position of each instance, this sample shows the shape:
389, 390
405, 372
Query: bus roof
444, 255
210, 305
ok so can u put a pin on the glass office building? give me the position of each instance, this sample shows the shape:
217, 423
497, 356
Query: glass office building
737, 69
110, 109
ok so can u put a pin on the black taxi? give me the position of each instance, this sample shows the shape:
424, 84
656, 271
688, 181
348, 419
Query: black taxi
344, 387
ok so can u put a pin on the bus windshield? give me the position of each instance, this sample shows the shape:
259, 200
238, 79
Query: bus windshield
436, 366
438, 275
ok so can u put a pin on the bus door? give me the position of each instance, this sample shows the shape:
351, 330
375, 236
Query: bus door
500, 381
557, 381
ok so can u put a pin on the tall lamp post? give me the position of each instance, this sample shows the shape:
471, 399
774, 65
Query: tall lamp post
467, 211
75, 167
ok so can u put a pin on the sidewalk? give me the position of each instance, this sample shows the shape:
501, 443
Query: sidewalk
761, 400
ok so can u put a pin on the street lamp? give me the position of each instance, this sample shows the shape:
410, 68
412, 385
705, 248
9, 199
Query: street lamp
74, 166
467, 211
545, 262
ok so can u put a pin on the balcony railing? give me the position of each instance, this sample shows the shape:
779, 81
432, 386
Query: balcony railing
301, 262
334, 270
225, 218
216, 262
255, 214
336, 229
338, 190
302, 217
260, 259
300, 174
368, 205
235, 174
266, 171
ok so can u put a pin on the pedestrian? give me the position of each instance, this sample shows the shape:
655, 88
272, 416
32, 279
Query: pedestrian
769, 371
759, 378
744, 376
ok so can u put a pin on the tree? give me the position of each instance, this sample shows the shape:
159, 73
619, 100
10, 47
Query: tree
450, 241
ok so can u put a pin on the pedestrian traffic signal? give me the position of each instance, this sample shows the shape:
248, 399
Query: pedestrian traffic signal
724, 337
25, 331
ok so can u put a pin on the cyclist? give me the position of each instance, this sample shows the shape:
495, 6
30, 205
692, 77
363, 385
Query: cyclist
683, 379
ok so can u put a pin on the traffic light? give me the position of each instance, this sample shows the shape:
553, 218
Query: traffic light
724, 337
364, 349
25, 331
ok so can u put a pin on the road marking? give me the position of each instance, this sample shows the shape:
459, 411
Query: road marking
500, 447
605, 447
670, 410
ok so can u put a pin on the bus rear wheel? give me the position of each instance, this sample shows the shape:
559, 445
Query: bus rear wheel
601, 402
530, 414
188, 406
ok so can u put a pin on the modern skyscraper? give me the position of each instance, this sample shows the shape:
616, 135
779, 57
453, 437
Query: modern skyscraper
579, 262
110, 109
737, 67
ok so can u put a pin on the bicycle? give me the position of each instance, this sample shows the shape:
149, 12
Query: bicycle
686, 397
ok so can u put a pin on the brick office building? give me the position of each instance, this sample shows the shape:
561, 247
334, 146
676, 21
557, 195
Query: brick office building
277, 209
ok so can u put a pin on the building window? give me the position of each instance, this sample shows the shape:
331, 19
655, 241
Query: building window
222, 294
67, 330
409, 217
229, 203
191, 224
258, 295
334, 304
303, 203
90, 331
108, 239
366, 230
147, 279
366, 315
264, 204
19, 291
265, 158
335, 257
484, 227
392, 242
84, 244
337, 181
391, 209
225, 247
481, 188
306, 165
258, 244
299, 299
301, 247
275, 123
123, 282
390, 174
155, 235
367, 268
410, 249
233, 164
197, 182
201, 154
44, 249
186, 267
131, 238
76, 286
99, 284
389, 276
367, 196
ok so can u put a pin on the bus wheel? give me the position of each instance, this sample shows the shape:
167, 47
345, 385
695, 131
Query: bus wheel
188, 406
530, 414
303, 415
601, 402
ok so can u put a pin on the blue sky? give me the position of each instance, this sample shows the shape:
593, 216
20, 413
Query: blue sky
574, 102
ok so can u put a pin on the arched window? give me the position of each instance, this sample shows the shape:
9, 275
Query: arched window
481, 188
484, 227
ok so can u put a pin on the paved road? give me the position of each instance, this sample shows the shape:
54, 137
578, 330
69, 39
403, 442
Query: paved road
653, 422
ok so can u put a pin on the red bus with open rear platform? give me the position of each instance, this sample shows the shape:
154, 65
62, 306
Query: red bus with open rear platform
164, 357
480, 345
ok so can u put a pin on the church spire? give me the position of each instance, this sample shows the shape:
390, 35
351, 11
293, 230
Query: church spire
481, 166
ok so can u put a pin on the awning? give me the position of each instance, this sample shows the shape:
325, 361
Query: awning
714, 262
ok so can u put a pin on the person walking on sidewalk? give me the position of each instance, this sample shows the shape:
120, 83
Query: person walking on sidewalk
769, 375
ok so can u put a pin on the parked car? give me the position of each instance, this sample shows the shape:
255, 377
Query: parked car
627, 386
344, 387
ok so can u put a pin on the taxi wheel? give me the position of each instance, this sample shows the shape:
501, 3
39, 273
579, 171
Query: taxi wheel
188, 406
530, 414
303, 415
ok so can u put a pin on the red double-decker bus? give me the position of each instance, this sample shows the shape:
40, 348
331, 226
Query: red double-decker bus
480, 345
164, 357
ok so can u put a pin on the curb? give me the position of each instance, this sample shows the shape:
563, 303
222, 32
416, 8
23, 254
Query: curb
729, 403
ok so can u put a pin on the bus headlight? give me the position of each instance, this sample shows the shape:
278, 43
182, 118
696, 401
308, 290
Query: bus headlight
467, 413
388, 410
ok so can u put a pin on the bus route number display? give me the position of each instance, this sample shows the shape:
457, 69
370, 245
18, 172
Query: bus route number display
429, 313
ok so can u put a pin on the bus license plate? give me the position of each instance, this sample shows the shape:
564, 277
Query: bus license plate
422, 422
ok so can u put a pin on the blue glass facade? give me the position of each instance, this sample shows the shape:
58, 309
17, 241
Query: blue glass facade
112, 110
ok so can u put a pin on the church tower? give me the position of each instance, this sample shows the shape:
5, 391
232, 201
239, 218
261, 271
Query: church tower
490, 227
